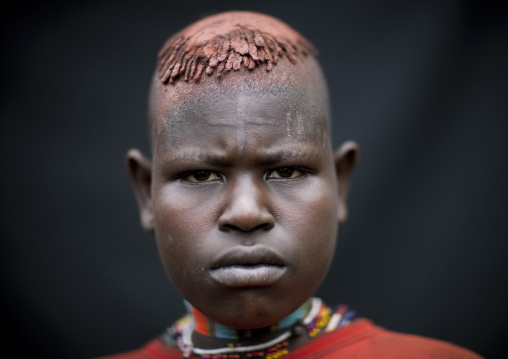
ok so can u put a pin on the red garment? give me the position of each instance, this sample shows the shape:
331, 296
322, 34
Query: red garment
361, 339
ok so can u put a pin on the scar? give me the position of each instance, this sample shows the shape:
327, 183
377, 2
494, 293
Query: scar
300, 126
288, 124
240, 129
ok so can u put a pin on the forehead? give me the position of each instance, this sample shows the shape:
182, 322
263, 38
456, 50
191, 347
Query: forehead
291, 114
294, 105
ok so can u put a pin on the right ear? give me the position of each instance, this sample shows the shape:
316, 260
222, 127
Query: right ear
140, 171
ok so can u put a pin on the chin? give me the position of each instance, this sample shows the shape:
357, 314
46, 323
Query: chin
251, 308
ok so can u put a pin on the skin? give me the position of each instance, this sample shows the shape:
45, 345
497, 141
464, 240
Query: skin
242, 175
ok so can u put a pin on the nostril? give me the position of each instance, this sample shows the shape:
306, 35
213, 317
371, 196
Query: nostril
231, 227
265, 226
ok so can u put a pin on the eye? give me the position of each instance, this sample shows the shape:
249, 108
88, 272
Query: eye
284, 172
202, 176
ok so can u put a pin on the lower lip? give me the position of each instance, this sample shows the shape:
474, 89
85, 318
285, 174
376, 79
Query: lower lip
247, 276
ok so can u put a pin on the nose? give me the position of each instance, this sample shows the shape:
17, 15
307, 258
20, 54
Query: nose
246, 209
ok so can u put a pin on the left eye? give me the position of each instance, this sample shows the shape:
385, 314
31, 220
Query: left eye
203, 176
284, 172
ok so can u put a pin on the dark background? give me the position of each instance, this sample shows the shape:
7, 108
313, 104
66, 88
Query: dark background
422, 87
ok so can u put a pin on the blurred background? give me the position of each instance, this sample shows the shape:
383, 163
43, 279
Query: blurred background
422, 86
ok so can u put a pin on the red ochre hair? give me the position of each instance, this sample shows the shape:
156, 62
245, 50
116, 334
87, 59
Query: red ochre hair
226, 42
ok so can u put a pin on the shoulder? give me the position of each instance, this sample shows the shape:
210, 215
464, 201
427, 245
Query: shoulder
363, 339
155, 349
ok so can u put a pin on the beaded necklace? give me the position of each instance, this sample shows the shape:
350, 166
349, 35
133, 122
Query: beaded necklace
207, 327
314, 316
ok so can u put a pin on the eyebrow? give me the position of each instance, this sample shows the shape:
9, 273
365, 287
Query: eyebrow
220, 158
196, 156
284, 155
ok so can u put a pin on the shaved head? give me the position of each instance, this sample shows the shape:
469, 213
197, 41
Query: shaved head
298, 90
228, 54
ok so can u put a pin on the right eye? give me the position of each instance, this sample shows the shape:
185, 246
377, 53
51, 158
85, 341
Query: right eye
202, 176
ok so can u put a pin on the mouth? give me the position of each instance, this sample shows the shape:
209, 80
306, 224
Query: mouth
248, 267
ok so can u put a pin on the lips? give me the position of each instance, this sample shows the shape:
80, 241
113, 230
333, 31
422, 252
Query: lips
248, 267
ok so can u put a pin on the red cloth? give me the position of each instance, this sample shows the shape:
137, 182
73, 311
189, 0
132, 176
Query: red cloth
361, 339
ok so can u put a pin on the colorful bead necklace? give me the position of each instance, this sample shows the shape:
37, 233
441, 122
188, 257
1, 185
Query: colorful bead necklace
209, 328
314, 315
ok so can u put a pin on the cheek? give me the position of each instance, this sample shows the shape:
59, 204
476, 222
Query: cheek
311, 218
312, 207
183, 212
311, 221
182, 222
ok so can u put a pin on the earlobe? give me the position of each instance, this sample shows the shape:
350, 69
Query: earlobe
140, 171
346, 158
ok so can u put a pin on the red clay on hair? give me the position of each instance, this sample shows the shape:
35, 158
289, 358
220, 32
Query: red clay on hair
228, 41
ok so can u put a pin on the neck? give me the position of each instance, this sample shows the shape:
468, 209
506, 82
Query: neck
209, 328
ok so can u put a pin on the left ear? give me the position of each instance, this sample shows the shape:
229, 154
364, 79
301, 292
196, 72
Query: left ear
140, 171
345, 157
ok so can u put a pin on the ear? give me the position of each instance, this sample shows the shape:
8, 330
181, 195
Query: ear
140, 171
346, 157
